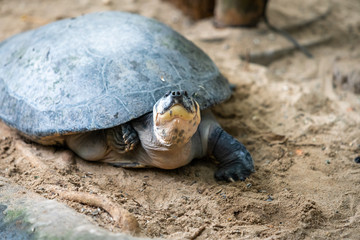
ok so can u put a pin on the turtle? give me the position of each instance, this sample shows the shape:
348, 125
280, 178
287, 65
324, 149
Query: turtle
119, 88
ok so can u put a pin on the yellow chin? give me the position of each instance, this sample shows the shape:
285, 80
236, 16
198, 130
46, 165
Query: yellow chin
176, 111
176, 126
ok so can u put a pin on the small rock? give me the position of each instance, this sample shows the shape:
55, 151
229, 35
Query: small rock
200, 190
223, 195
357, 159
269, 199
96, 212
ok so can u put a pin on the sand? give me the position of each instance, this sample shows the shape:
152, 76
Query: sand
299, 118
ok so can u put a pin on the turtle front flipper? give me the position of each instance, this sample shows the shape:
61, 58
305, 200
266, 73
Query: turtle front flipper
235, 162
122, 138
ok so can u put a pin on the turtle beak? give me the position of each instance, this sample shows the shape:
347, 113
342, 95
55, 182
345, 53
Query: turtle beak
176, 98
176, 111
175, 104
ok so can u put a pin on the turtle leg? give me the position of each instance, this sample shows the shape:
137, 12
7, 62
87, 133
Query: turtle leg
90, 146
112, 146
234, 161
122, 138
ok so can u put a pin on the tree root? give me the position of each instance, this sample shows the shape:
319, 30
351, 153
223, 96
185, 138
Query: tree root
197, 233
126, 221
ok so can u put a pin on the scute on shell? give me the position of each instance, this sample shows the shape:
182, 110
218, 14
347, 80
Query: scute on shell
98, 71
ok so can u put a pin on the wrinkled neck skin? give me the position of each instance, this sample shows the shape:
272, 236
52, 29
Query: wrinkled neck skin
166, 147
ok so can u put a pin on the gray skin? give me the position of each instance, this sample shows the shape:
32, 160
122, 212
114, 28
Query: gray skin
138, 145
96, 83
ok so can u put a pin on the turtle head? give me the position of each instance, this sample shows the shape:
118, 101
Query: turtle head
176, 118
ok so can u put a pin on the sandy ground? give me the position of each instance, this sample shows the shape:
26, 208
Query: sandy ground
298, 117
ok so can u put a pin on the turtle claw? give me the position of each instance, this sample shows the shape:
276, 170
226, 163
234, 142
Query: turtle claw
232, 173
122, 138
130, 136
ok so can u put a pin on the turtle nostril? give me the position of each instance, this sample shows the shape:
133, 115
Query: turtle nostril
177, 94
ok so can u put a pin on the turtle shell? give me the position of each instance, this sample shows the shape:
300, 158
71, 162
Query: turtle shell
98, 71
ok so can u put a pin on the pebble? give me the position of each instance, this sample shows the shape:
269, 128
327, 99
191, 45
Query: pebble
269, 199
223, 195
357, 159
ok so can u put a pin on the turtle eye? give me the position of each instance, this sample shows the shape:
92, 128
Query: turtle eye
167, 93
